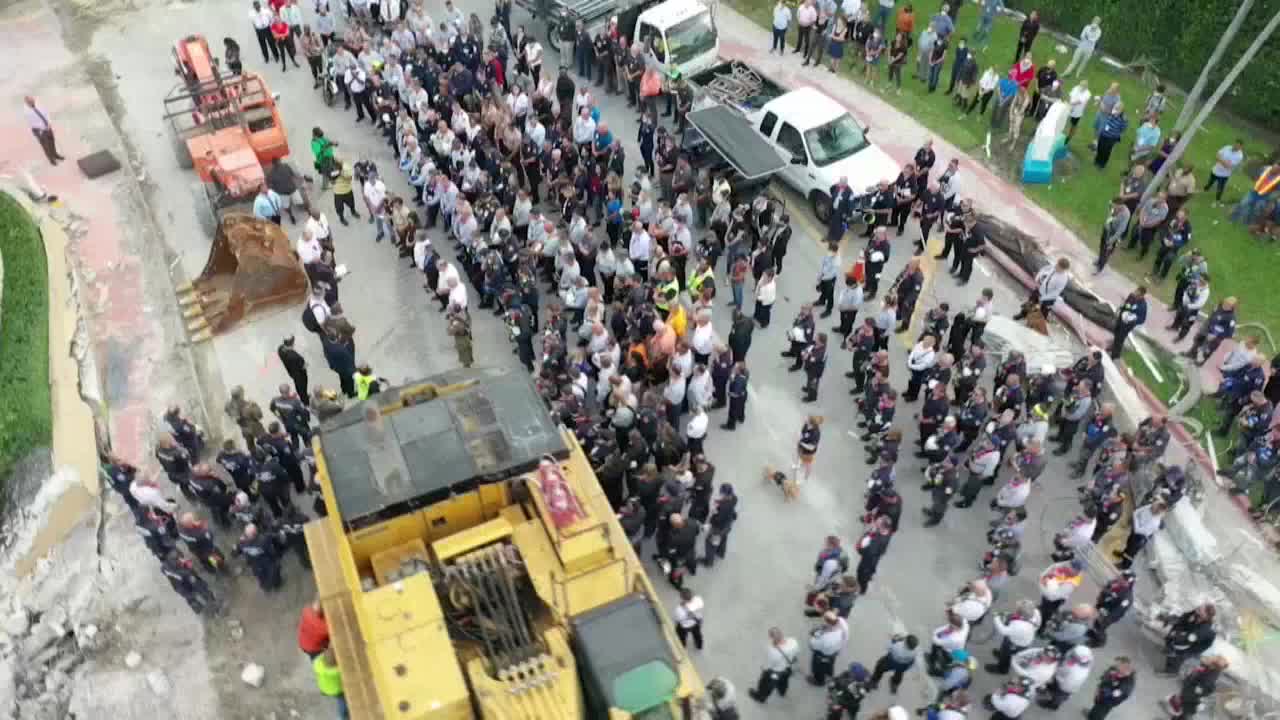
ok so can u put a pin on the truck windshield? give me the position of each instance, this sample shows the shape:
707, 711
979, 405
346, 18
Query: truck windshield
690, 38
835, 140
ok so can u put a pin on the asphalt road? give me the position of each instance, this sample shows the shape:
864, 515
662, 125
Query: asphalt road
762, 582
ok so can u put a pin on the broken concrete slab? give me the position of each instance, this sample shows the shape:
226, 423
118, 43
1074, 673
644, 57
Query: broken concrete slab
158, 682
132, 660
253, 675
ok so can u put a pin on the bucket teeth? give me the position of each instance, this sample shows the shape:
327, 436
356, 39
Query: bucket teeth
185, 288
185, 300
195, 311
201, 336
199, 323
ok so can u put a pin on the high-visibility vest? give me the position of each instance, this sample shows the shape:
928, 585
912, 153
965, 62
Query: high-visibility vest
363, 383
695, 284
666, 293
1268, 180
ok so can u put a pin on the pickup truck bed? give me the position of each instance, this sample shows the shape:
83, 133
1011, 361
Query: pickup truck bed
737, 85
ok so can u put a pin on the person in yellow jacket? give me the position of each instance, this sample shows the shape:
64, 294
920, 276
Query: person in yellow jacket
678, 318
329, 680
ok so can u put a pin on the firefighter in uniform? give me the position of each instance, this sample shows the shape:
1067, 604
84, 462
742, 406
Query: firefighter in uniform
187, 583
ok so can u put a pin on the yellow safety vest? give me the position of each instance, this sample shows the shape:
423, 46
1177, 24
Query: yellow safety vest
1268, 180
666, 293
328, 677
695, 284
363, 383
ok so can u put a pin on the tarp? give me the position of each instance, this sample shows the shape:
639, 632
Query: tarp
1022, 249
623, 650
734, 138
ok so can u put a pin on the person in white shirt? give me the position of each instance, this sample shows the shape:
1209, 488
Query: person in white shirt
1089, 38
806, 16
780, 657
421, 251
947, 639
766, 295
688, 617
261, 18
701, 390
584, 130
533, 59
375, 199
974, 602
1051, 282
456, 295
1147, 520
696, 430
781, 21
703, 339
1077, 102
1017, 630
639, 250
309, 250
1014, 493
38, 121
448, 272
1073, 671
317, 224
826, 641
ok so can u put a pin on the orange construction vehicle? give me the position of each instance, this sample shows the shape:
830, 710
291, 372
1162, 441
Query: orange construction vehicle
226, 126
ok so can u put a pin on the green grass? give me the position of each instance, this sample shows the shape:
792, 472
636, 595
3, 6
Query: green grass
25, 414
1080, 194
1172, 386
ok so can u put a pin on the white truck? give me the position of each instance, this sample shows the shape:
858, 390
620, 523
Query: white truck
682, 33
818, 137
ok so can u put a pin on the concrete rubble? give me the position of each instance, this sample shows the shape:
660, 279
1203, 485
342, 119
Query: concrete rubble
253, 674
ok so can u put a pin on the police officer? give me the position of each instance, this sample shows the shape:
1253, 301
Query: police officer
272, 480
176, 462
1190, 634
295, 365
719, 525
1113, 602
632, 519
260, 550
871, 548
184, 431
940, 480
738, 382
682, 546
187, 583
157, 530
290, 535
210, 490
1196, 686
1114, 689
1100, 428
120, 475
198, 538
239, 465
294, 415
279, 446
814, 359
846, 692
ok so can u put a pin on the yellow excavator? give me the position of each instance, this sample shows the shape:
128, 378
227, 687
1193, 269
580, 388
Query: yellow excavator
471, 567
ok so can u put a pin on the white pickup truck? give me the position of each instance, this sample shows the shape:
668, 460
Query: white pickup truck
818, 137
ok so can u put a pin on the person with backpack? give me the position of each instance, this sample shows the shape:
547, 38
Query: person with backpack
316, 312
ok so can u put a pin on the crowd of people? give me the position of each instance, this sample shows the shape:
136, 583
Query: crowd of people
606, 288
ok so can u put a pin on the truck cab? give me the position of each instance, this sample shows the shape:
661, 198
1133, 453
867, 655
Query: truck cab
682, 33
822, 143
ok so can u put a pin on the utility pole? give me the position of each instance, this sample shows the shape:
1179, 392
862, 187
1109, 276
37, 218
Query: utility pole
1204, 112
1189, 107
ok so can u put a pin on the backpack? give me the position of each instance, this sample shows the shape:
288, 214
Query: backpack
309, 320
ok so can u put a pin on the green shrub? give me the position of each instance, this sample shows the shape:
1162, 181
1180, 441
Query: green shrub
25, 414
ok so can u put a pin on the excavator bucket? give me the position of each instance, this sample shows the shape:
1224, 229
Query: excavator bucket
250, 267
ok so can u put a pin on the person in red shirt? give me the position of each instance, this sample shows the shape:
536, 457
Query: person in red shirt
1024, 72
284, 40
313, 630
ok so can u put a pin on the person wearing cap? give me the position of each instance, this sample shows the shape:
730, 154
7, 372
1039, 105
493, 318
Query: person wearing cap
781, 656
825, 643
846, 692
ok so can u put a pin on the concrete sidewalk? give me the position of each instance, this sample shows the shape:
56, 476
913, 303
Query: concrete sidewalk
900, 136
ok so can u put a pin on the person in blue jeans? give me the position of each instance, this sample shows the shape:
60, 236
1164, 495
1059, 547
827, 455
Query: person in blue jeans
937, 56
883, 11
781, 21
990, 8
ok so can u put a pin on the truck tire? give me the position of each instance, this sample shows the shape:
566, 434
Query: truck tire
553, 38
821, 206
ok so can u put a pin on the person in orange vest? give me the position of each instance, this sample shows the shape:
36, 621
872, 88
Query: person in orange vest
1263, 189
